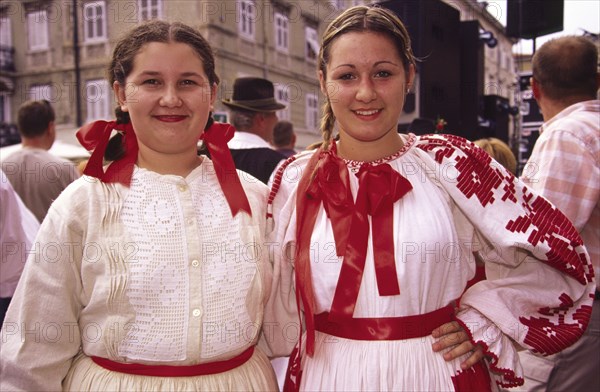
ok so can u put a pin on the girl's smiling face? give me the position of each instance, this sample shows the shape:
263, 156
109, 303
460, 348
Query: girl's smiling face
168, 97
366, 85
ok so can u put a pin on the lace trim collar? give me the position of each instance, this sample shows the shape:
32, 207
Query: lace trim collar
354, 166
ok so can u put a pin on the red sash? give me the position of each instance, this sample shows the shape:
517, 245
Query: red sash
385, 328
202, 369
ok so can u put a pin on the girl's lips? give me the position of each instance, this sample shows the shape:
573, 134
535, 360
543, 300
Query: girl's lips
170, 118
367, 114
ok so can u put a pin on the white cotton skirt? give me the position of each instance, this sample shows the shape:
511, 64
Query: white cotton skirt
399, 365
255, 375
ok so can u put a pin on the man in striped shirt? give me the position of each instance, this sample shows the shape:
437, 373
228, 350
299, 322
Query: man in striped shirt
565, 168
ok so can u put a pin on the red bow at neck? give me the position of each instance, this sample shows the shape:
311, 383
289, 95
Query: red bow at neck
95, 136
380, 187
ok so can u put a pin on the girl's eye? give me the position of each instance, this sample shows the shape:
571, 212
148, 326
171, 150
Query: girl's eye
346, 76
383, 74
150, 81
188, 82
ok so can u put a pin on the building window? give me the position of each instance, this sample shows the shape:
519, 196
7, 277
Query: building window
99, 98
4, 108
246, 18
5, 32
94, 22
312, 43
42, 91
7, 62
282, 42
282, 96
37, 30
150, 9
312, 113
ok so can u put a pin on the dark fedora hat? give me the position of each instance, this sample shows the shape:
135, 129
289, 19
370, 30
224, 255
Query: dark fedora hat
254, 94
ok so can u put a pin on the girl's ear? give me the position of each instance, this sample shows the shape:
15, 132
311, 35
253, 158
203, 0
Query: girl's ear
411, 76
213, 95
535, 88
119, 91
322, 83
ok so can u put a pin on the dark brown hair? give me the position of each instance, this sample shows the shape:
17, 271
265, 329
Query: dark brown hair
34, 117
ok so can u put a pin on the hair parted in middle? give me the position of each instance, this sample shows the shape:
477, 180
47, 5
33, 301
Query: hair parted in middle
362, 18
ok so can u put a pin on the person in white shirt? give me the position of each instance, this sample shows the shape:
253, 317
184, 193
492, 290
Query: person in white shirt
37, 175
253, 114
18, 228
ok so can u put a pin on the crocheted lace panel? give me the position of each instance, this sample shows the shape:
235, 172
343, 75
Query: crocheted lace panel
189, 275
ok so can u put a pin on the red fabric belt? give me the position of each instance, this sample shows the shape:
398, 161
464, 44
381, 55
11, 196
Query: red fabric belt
385, 328
202, 369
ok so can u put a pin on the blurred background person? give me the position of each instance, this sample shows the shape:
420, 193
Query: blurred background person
18, 228
565, 168
284, 138
37, 175
254, 115
500, 151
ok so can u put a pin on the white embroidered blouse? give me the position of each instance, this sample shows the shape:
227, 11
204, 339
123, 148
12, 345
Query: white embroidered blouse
539, 284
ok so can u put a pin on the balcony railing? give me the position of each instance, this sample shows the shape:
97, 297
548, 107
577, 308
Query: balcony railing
7, 58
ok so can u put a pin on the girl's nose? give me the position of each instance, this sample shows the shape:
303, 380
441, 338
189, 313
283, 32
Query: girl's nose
170, 98
366, 92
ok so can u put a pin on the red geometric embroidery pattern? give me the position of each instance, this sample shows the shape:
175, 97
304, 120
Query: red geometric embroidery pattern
276, 184
477, 378
508, 377
552, 227
551, 334
552, 329
476, 176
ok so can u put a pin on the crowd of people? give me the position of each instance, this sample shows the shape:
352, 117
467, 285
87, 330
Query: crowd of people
374, 260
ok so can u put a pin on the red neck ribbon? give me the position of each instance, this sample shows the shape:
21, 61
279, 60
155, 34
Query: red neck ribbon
326, 181
95, 136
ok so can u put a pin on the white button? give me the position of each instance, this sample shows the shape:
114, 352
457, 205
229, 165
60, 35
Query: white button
196, 312
182, 187
195, 263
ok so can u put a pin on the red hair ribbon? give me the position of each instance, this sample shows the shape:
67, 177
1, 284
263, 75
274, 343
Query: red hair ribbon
94, 137
215, 139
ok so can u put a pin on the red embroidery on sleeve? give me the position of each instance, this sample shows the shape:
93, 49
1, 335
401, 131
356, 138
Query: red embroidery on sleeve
552, 227
476, 176
477, 378
551, 334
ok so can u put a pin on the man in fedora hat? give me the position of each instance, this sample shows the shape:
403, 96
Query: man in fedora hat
253, 114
